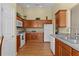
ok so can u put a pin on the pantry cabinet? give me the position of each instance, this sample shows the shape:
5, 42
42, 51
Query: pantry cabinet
61, 18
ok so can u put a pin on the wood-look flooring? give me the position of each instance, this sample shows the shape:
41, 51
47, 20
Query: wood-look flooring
35, 49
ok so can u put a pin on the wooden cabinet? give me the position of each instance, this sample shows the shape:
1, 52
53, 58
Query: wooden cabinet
47, 22
75, 52
61, 18
58, 48
28, 24
18, 42
35, 37
28, 36
62, 49
66, 50
36, 23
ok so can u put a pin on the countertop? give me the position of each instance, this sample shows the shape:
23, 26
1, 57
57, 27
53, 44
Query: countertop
66, 41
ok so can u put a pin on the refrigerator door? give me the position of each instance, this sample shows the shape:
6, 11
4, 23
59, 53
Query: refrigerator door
48, 29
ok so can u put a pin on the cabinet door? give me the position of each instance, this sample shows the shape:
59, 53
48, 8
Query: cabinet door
40, 37
58, 47
33, 37
75, 52
65, 52
28, 37
57, 20
25, 37
62, 19
58, 50
18, 42
49, 22
27, 24
37, 23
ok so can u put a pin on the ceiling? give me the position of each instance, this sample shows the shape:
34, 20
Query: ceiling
37, 4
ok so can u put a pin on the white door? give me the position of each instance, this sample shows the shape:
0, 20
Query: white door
48, 29
0, 23
9, 29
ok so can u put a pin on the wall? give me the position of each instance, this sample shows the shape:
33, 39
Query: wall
41, 12
20, 9
68, 7
75, 20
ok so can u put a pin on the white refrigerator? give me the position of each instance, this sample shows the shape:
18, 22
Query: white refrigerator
49, 30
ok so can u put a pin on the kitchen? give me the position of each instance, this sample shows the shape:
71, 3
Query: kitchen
51, 25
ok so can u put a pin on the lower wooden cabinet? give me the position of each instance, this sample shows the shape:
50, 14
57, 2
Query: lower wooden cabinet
57, 48
62, 49
75, 52
18, 42
34, 37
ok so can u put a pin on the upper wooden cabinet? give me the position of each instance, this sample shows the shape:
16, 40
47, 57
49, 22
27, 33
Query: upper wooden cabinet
36, 23
61, 18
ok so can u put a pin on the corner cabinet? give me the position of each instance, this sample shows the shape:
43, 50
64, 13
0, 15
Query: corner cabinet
61, 18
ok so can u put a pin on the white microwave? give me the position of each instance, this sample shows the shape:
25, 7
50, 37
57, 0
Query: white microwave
19, 23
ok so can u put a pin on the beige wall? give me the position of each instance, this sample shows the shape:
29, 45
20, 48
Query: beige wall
75, 20
41, 12
20, 10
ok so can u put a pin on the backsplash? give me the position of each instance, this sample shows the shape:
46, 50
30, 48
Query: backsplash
34, 29
64, 30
